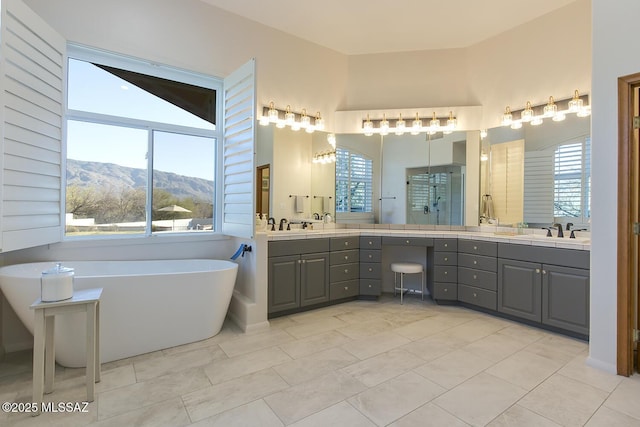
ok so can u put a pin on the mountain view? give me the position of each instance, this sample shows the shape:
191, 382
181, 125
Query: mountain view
108, 175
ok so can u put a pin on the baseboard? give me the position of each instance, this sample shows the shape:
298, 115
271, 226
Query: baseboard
604, 366
18, 346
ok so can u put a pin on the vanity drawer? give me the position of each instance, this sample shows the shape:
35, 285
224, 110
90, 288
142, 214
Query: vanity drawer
445, 273
479, 278
296, 247
478, 247
445, 258
370, 287
445, 291
371, 242
478, 261
370, 255
341, 243
407, 241
445, 245
338, 273
346, 289
344, 257
477, 296
370, 270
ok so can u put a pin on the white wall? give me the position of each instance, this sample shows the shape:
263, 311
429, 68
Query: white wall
614, 24
194, 35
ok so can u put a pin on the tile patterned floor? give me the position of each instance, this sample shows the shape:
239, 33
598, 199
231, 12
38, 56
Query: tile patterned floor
361, 363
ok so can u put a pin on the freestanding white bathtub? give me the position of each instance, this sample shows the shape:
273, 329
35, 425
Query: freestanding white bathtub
145, 305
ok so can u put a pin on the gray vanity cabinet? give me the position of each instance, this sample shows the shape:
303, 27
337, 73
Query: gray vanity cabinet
445, 270
565, 298
298, 274
532, 287
477, 273
344, 276
520, 289
370, 266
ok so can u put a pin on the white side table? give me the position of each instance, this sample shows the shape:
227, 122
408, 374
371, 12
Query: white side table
44, 353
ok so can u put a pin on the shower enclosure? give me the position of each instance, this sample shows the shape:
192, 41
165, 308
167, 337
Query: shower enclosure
435, 195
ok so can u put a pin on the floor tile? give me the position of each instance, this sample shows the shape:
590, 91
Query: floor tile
170, 413
340, 414
375, 344
395, 398
525, 369
309, 367
607, 417
245, 364
579, 370
434, 346
313, 344
256, 413
453, 368
221, 397
564, 400
316, 327
300, 401
383, 367
252, 342
626, 396
166, 364
495, 347
480, 399
521, 417
429, 415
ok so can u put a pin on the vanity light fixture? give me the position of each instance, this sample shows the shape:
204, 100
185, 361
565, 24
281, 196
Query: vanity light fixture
319, 123
451, 124
483, 133
527, 114
331, 139
384, 125
324, 157
483, 156
575, 105
507, 117
416, 126
400, 126
296, 121
368, 127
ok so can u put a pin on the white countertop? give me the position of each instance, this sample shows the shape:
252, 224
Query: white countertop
534, 239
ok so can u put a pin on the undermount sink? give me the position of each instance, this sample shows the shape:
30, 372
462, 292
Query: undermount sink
565, 239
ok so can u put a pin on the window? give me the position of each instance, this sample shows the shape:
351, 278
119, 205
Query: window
141, 147
572, 180
354, 177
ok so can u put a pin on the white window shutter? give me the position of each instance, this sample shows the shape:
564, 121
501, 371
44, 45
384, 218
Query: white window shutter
538, 186
32, 73
238, 152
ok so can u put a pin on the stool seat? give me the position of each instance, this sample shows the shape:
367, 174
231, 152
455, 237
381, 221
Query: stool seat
406, 267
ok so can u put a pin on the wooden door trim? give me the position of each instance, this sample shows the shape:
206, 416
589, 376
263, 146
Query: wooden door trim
625, 304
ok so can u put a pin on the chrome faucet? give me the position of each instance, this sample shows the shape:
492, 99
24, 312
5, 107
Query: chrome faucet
560, 233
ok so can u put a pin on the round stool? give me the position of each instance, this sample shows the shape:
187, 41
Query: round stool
406, 268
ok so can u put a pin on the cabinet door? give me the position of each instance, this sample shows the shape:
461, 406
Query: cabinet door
314, 279
519, 289
284, 283
565, 298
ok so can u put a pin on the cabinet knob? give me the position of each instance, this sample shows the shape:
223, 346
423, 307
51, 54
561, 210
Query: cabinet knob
446, 245
544, 271
370, 256
369, 285
299, 262
346, 288
407, 242
475, 248
537, 270
475, 262
346, 271
475, 276
446, 272
346, 243
446, 289
346, 257
446, 258
370, 243
475, 295
370, 269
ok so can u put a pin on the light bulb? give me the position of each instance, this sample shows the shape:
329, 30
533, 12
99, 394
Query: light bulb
319, 123
400, 126
507, 117
551, 109
368, 127
289, 117
416, 126
384, 125
536, 121
516, 125
272, 113
434, 124
305, 121
575, 105
451, 122
527, 113
331, 139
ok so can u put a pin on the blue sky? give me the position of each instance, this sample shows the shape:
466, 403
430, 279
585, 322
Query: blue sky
95, 90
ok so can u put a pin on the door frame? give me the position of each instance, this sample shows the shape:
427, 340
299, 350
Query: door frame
627, 196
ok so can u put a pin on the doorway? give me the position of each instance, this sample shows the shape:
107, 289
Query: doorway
263, 186
628, 356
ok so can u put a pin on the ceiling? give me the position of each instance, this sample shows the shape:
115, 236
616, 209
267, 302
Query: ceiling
375, 26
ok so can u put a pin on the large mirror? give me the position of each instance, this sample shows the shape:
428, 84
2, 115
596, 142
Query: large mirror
538, 175
401, 179
296, 188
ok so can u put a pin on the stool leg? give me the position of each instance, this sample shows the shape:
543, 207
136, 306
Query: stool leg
91, 351
395, 283
401, 287
49, 354
422, 296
